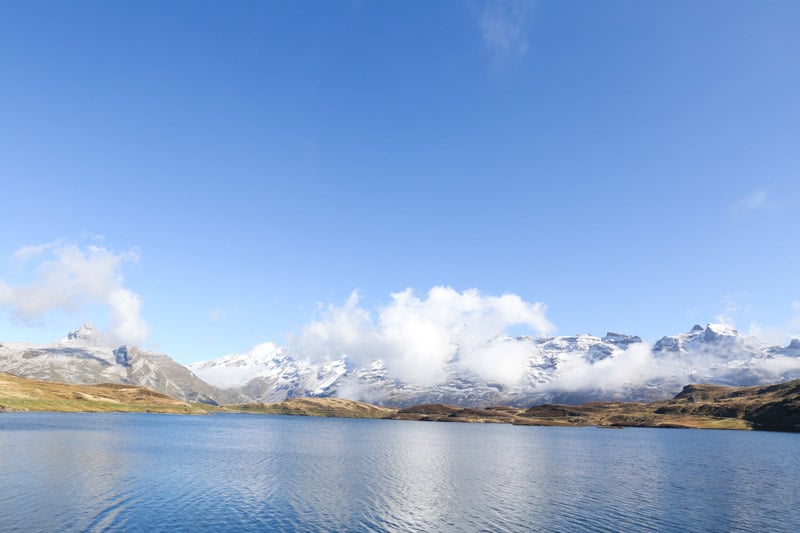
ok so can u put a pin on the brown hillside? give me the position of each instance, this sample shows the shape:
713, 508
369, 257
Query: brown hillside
22, 394
772, 407
329, 407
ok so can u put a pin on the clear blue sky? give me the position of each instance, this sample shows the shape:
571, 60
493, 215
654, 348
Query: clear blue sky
635, 166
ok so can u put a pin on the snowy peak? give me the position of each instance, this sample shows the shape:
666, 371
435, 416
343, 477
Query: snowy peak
86, 331
699, 336
792, 350
714, 332
269, 366
86, 335
620, 339
262, 355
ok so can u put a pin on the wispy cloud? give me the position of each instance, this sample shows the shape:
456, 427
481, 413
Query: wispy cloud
781, 333
30, 251
418, 337
505, 26
733, 309
756, 200
739, 315
227, 312
68, 277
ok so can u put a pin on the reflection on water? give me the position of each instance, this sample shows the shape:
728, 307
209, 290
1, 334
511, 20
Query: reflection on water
250, 472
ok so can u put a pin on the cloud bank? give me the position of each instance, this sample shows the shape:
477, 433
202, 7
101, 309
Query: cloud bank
418, 337
635, 366
68, 277
735, 359
422, 340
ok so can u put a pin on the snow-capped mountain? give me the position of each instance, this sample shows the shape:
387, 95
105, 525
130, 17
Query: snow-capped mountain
266, 373
566, 369
85, 356
563, 369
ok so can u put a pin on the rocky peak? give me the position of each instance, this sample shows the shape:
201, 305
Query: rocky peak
86, 331
86, 335
620, 339
714, 332
698, 335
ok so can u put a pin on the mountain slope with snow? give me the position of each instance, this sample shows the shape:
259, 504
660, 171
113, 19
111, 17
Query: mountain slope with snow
565, 369
86, 357
569, 369
267, 374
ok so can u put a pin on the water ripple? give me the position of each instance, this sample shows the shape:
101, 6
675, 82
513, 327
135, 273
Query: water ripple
104, 472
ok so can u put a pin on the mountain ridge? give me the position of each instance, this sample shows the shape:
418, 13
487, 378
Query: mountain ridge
711, 354
563, 369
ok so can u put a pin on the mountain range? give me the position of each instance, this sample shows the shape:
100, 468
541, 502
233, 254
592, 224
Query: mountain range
565, 369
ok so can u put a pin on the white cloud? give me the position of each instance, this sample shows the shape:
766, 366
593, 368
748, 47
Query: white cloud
733, 309
68, 277
28, 252
417, 337
504, 27
636, 365
782, 333
735, 312
340, 330
126, 322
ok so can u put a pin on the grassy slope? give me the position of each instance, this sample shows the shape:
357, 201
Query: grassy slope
21, 394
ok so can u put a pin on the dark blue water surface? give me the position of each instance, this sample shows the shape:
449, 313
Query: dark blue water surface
147, 472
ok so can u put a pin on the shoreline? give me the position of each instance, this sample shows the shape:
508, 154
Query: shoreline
769, 408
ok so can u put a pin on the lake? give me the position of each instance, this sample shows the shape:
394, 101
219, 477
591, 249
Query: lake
148, 472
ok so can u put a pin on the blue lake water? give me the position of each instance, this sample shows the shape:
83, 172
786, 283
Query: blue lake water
147, 472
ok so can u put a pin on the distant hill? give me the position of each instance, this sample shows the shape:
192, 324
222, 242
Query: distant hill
771, 408
326, 407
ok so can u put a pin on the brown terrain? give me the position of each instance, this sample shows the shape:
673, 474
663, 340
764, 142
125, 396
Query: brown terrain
770, 407
21, 394
330, 407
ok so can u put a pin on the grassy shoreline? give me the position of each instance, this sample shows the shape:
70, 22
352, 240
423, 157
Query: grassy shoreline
773, 407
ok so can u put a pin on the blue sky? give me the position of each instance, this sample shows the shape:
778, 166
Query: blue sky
226, 172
